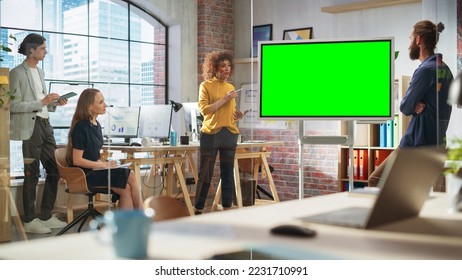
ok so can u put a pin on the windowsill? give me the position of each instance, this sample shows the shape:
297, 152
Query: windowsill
14, 183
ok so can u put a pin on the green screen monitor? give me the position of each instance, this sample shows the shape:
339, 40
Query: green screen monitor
327, 79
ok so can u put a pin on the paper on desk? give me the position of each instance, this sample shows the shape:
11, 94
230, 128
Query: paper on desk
117, 166
365, 191
273, 251
209, 230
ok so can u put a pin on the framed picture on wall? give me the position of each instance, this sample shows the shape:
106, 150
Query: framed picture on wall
298, 34
261, 33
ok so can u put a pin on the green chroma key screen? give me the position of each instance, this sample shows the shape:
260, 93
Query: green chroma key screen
338, 79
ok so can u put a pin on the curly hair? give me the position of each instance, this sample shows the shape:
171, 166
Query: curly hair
429, 32
212, 62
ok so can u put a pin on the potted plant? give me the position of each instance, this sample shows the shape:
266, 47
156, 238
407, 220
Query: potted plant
453, 176
4, 46
5, 94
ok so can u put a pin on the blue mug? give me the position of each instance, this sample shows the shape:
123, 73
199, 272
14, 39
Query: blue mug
130, 232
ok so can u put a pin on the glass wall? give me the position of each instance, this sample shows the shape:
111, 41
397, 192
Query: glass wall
111, 45
321, 169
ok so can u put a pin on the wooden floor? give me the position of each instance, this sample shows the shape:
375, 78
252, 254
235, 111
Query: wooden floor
17, 238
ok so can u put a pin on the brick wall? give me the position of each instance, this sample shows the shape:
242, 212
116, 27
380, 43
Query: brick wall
159, 65
320, 163
216, 32
215, 28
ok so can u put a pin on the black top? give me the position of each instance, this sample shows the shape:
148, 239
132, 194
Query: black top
89, 138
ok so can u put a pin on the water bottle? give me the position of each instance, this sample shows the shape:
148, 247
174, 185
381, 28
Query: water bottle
194, 136
172, 137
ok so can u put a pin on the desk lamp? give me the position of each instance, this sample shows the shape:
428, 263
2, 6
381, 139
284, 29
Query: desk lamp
175, 107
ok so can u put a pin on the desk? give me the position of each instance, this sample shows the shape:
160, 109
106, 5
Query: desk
172, 156
202, 236
178, 155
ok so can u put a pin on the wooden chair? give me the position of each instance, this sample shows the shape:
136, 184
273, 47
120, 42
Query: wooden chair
76, 184
165, 207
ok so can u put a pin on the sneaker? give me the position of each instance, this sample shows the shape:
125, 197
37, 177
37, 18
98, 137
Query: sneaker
35, 226
53, 222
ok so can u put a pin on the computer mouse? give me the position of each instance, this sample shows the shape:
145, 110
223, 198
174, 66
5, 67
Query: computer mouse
135, 144
293, 230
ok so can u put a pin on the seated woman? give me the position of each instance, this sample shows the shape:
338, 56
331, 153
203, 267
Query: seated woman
83, 150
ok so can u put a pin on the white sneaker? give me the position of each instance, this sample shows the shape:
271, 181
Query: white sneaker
53, 222
35, 226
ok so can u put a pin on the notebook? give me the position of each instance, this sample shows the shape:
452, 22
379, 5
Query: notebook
405, 185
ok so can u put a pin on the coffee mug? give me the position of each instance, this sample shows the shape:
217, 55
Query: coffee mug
129, 231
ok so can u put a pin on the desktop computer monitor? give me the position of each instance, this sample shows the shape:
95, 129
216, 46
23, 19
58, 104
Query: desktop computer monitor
192, 117
120, 122
154, 121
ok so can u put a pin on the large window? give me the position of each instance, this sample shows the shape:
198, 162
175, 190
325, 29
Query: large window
111, 45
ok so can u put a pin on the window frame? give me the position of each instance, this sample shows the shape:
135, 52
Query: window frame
132, 9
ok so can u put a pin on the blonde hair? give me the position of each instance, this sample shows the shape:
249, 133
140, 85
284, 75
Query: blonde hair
82, 112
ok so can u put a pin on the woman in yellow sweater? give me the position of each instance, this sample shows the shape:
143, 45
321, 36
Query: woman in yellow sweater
219, 133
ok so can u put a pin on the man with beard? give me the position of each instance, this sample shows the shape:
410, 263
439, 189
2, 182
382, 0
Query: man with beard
426, 98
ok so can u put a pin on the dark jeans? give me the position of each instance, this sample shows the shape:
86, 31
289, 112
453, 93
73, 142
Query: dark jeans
39, 148
225, 143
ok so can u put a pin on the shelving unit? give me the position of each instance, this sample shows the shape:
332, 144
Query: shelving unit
8, 210
367, 142
365, 5
245, 60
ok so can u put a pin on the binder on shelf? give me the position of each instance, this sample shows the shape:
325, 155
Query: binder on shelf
380, 156
390, 127
396, 131
361, 135
355, 165
356, 185
383, 134
363, 164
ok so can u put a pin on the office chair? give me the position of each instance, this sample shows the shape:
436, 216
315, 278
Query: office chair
165, 207
76, 184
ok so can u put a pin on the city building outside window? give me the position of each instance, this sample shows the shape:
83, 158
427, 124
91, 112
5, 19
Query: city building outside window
112, 45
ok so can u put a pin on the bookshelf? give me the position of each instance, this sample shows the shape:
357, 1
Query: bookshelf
368, 148
364, 5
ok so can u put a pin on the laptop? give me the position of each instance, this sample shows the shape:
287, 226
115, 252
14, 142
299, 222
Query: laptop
405, 186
